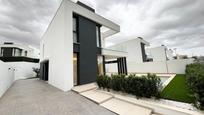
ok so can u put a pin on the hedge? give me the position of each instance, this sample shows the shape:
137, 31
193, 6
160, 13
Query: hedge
145, 86
195, 81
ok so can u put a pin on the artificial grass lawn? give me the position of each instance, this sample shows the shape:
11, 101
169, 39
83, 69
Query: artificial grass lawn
177, 90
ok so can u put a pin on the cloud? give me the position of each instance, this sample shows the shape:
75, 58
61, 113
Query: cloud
174, 23
25, 20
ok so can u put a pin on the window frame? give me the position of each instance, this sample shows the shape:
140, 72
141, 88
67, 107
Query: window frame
77, 29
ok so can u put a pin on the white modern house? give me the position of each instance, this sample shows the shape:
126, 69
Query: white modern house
141, 59
72, 48
10, 49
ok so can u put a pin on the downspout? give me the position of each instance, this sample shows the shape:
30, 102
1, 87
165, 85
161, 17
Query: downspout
167, 69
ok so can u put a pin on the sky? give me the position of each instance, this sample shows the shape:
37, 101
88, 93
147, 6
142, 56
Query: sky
177, 24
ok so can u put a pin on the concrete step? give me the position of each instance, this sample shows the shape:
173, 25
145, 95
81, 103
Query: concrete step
84, 88
96, 96
124, 108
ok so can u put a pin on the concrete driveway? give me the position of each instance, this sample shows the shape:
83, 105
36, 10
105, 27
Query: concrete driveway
34, 97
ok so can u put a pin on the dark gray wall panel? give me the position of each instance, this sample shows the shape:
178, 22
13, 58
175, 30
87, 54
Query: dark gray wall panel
87, 51
143, 52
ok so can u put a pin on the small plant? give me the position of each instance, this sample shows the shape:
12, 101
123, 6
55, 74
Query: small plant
37, 71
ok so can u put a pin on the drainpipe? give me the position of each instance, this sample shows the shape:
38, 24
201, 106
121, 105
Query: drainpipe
167, 69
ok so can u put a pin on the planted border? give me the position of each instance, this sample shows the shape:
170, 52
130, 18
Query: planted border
144, 86
195, 81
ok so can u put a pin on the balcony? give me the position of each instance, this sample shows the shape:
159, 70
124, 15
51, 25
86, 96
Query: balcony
110, 53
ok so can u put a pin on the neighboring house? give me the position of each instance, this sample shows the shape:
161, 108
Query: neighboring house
135, 49
72, 50
178, 56
149, 60
18, 52
21, 58
161, 53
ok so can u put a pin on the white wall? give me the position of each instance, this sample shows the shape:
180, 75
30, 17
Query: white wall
6, 77
172, 66
23, 70
157, 53
179, 65
147, 67
55, 50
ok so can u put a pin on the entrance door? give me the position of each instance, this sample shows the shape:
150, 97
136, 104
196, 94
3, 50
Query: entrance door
44, 70
75, 69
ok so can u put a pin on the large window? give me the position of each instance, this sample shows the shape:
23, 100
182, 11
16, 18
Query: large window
75, 36
98, 41
17, 52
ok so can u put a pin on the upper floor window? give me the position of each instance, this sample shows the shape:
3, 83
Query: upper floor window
17, 52
75, 35
98, 37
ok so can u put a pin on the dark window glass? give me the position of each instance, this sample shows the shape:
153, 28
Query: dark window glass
74, 24
98, 36
75, 33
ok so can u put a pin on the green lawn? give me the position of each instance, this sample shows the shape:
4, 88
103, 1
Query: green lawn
177, 90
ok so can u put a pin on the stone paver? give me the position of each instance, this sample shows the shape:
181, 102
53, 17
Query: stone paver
83, 88
97, 96
124, 108
34, 97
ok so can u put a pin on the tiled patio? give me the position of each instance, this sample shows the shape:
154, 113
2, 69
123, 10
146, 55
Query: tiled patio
125, 104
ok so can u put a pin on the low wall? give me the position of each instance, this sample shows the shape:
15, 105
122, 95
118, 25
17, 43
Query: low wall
6, 77
171, 66
23, 70
178, 66
147, 67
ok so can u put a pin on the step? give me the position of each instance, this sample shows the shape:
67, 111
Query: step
86, 87
96, 96
124, 108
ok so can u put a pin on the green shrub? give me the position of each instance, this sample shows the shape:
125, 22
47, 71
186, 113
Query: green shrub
145, 86
195, 81
103, 81
117, 82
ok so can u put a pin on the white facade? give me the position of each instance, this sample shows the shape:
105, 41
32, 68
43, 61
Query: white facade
57, 42
133, 49
160, 53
